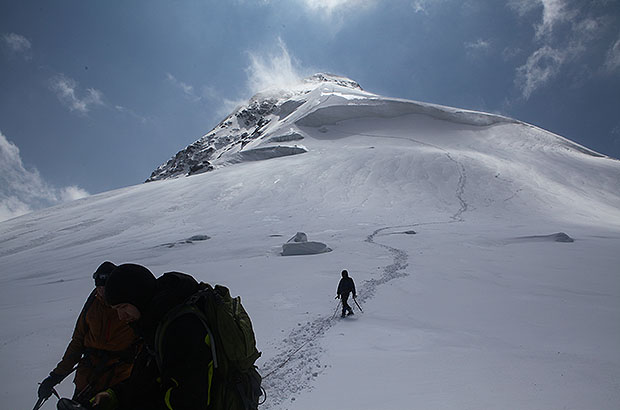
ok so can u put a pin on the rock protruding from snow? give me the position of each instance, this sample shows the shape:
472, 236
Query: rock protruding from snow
299, 245
332, 78
291, 136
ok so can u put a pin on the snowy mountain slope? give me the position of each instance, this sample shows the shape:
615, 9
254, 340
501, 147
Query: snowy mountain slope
445, 219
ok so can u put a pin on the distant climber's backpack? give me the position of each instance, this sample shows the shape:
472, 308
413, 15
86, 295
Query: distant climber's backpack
234, 382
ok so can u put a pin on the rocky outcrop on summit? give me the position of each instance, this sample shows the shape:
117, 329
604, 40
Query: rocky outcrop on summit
231, 135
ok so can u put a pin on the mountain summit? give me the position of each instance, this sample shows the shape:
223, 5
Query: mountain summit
268, 125
239, 135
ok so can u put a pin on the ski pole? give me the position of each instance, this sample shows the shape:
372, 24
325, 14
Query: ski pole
358, 305
336, 311
39, 403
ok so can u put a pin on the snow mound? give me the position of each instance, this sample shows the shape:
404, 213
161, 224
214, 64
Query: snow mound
299, 245
554, 237
190, 240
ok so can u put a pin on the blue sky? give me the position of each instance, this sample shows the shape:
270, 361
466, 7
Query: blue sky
94, 95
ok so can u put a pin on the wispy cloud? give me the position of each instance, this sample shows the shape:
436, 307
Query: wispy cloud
187, 89
23, 190
480, 46
419, 6
131, 113
330, 7
554, 12
612, 59
18, 44
541, 67
425, 6
564, 32
67, 91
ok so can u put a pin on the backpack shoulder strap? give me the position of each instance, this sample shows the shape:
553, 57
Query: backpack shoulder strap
189, 307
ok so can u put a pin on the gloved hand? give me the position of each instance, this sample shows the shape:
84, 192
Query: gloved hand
47, 385
105, 400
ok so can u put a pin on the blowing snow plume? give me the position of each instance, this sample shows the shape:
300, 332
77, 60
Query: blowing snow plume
276, 71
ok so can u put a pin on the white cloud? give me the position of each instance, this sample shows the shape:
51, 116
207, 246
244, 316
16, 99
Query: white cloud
424, 6
131, 113
554, 11
188, 90
330, 7
564, 33
541, 67
273, 71
478, 45
612, 60
23, 190
18, 44
66, 90
419, 6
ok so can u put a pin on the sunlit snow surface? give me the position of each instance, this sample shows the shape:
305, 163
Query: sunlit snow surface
446, 219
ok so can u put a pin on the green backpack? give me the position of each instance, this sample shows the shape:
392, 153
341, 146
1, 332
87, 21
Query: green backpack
234, 382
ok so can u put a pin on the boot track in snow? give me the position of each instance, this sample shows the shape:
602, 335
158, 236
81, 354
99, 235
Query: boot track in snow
301, 349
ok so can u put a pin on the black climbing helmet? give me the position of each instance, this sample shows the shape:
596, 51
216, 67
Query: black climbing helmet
102, 273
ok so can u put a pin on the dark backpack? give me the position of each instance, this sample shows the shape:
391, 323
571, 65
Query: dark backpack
234, 382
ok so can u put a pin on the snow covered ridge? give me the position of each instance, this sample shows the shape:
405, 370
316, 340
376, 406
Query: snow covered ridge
265, 128
270, 124
230, 140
